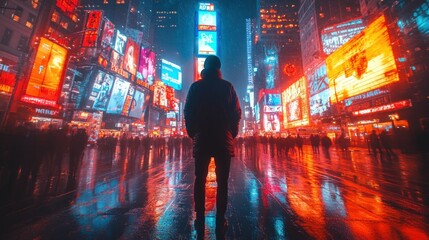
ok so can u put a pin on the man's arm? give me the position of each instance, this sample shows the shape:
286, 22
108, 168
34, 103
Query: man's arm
188, 112
235, 112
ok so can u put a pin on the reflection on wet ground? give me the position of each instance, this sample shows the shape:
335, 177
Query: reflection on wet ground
148, 195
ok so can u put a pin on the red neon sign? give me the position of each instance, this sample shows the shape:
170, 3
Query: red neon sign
92, 26
387, 107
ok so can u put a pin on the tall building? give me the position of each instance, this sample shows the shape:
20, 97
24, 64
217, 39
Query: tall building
278, 33
314, 16
18, 20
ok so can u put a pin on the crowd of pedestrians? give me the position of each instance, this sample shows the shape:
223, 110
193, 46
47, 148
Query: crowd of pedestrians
25, 149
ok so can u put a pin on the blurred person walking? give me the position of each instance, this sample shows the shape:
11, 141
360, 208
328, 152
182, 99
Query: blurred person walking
212, 113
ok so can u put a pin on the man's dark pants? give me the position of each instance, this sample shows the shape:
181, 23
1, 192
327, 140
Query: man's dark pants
222, 173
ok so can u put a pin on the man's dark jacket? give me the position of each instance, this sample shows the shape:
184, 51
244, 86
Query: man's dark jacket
212, 115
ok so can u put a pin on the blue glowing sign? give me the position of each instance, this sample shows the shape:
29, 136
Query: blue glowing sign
117, 99
171, 74
207, 43
319, 103
207, 20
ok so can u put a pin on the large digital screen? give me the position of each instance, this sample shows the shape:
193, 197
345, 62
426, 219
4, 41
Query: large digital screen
207, 43
45, 77
139, 104
117, 99
108, 34
273, 99
120, 42
146, 69
271, 122
128, 100
319, 103
364, 63
207, 20
100, 92
335, 36
160, 95
295, 104
318, 79
131, 57
171, 74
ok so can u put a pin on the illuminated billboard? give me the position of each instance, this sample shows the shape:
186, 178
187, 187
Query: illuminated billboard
160, 95
271, 122
100, 92
206, 7
364, 63
335, 36
108, 34
45, 77
171, 74
273, 99
92, 27
139, 104
200, 66
318, 80
117, 99
319, 103
206, 21
295, 104
7, 75
131, 57
207, 43
116, 61
120, 42
146, 69
128, 100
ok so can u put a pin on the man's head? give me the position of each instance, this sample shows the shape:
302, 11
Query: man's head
212, 62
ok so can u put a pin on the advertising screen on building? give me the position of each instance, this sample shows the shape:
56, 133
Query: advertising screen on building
271, 122
131, 57
295, 104
318, 80
207, 43
108, 34
206, 7
120, 42
116, 62
45, 77
200, 66
171, 74
117, 99
335, 36
146, 69
273, 99
100, 92
364, 63
139, 104
128, 100
207, 20
257, 113
319, 103
92, 28
160, 95
7, 75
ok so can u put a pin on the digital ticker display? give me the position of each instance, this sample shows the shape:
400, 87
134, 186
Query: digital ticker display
171, 74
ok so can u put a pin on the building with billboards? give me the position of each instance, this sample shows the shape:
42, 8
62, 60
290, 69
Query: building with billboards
206, 34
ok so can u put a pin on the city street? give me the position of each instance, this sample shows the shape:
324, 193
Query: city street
350, 195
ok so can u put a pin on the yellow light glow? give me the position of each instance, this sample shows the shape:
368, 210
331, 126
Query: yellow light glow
364, 63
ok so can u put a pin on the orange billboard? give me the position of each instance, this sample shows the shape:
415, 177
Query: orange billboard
295, 104
364, 63
46, 75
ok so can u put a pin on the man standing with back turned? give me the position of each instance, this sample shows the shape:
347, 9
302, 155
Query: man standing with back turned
212, 115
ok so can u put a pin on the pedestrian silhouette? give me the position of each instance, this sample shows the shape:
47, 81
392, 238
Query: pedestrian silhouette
212, 114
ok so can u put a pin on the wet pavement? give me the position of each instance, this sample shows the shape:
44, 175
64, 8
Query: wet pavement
350, 195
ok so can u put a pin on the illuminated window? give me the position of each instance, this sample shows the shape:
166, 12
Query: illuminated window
7, 35
74, 18
30, 21
55, 17
322, 15
120, 1
64, 24
17, 14
105, 2
35, 3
